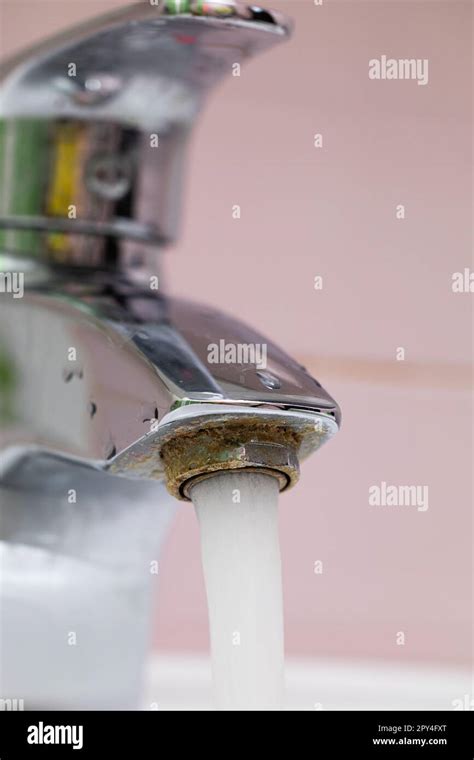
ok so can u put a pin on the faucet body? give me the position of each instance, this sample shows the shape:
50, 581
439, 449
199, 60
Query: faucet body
99, 370
104, 371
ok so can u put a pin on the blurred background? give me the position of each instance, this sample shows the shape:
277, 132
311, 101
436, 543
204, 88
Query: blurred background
331, 212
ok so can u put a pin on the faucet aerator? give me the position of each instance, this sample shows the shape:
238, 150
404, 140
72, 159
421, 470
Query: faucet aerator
236, 444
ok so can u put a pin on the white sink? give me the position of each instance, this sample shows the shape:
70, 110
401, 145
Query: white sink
184, 682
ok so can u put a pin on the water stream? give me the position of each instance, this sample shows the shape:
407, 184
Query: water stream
238, 517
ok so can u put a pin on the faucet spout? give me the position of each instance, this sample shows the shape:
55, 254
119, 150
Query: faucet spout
129, 370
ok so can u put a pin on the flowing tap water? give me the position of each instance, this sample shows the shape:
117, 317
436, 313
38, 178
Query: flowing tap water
238, 517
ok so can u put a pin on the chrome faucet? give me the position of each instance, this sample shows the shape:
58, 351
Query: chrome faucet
107, 386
